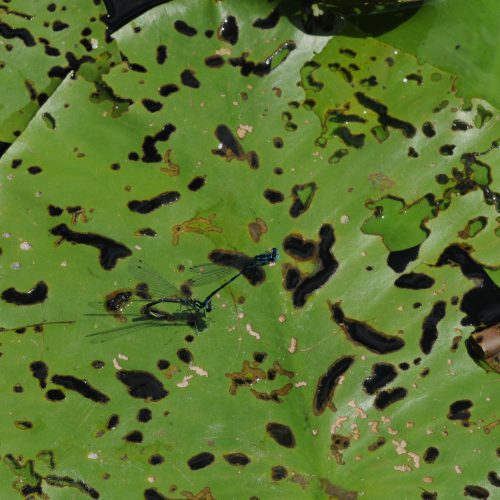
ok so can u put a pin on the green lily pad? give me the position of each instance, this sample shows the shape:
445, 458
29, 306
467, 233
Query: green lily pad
339, 372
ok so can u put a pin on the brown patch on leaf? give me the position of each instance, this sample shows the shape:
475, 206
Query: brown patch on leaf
257, 229
171, 169
199, 225
251, 373
274, 395
204, 494
380, 181
337, 492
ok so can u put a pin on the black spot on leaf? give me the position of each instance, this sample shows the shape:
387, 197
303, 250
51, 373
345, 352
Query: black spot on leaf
228, 30
161, 54
363, 334
134, 437
147, 206
214, 61
429, 327
185, 355
474, 491
268, 22
156, 459
23, 425
327, 384
371, 81
338, 155
152, 106
184, 29
377, 444
384, 119
146, 231
292, 278
428, 129
482, 303
414, 281
163, 364
412, 152
142, 385
278, 472
399, 259
493, 478
80, 386
34, 170
230, 145
55, 395
429, 495
389, 397
431, 454
414, 77
189, 79
382, 374
442, 105
281, 433
151, 154
460, 125
37, 295
302, 195
442, 179
59, 26
75, 63
110, 250
328, 267
22, 33
113, 422
447, 149
237, 459
459, 410
153, 494
40, 371
278, 142
356, 141
197, 183
201, 460
273, 196
170, 88
298, 248
144, 415
263, 68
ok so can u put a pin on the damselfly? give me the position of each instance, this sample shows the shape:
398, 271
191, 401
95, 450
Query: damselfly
159, 287
191, 310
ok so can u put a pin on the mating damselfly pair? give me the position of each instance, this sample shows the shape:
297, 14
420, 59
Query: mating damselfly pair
153, 290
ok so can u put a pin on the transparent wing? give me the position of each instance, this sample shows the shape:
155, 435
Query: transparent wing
158, 286
120, 331
142, 323
209, 273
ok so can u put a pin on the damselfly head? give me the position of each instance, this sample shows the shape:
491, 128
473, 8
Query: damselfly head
265, 258
271, 257
274, 255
